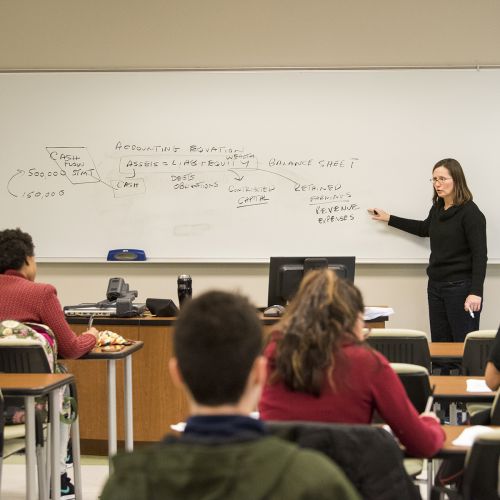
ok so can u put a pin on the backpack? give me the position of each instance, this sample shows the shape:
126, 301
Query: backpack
15, 333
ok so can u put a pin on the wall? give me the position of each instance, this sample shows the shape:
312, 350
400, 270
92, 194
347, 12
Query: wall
72, 34
402, 287
52, 34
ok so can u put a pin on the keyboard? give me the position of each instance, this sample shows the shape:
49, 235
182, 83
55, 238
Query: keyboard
86, 312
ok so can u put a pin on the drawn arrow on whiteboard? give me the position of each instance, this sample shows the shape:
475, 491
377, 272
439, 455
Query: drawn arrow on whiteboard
238, 176
262, 170
10, 180
276, 173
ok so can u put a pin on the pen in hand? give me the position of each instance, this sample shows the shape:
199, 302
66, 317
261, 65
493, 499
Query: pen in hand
471, 312
91, 320
430, 400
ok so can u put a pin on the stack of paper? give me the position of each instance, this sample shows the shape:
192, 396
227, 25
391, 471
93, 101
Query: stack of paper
377, 312
475, 385
467, 436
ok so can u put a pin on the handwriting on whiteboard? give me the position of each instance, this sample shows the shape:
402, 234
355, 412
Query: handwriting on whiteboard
246, 181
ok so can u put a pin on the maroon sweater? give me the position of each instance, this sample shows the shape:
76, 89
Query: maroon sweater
25, 300
364, 382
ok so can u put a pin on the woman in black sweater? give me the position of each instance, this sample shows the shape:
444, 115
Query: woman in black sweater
457, 264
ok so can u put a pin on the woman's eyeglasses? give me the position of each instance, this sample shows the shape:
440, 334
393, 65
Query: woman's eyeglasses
435, 180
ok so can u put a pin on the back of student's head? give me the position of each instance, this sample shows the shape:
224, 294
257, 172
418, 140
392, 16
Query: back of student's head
15, 247
217, 338
321, 316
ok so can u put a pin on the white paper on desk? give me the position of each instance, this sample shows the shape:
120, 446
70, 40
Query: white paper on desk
468, 435
377, 312
178, 427
474, 385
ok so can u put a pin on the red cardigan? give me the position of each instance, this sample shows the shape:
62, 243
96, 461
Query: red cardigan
25, 300
364, 382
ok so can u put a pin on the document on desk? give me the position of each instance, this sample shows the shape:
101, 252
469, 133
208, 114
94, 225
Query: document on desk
377, 312
178, 427
467, 436
474, 385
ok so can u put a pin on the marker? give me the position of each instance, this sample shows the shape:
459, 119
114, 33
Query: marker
471, 313
430, 400
91, 320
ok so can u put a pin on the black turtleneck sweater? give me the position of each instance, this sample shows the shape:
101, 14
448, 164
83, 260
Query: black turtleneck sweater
458, 242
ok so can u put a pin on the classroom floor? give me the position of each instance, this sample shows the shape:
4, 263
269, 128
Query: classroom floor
94, 475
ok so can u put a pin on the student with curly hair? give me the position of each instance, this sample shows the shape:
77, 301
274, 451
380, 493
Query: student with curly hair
320, 369
24, 300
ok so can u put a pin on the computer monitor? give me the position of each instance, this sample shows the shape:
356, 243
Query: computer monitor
286, 273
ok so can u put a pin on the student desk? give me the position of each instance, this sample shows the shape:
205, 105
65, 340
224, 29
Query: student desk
122, 353
157, 402
446, 351
30, 386
111, 357
452, 432
454, 388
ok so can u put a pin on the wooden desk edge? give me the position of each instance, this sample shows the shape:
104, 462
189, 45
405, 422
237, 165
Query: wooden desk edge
170, 321
452, 432
128, 350
33, 384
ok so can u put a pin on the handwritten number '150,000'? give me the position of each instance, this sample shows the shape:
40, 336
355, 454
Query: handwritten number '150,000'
41, 195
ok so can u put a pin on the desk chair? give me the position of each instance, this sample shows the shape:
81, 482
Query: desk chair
368, 455
401, 345
481, 473
17, 359
485, 414
476, 351
32, 353
415, 379
495, 410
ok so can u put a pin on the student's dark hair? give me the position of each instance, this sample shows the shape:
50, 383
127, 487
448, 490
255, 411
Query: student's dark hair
461, 192
217, 338
15, 247
321, 316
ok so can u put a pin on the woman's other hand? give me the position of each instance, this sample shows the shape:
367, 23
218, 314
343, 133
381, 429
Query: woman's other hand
472, 303
379, 214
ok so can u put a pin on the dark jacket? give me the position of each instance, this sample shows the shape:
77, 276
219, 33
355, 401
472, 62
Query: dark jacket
369, 456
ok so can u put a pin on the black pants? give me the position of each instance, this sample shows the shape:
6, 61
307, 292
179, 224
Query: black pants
449, 321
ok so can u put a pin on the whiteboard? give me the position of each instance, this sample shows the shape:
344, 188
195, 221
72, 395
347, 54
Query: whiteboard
239, 166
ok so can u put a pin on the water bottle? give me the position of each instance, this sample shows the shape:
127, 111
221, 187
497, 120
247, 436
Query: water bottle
184, 288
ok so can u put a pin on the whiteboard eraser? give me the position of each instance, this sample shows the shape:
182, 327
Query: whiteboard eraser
126, 255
